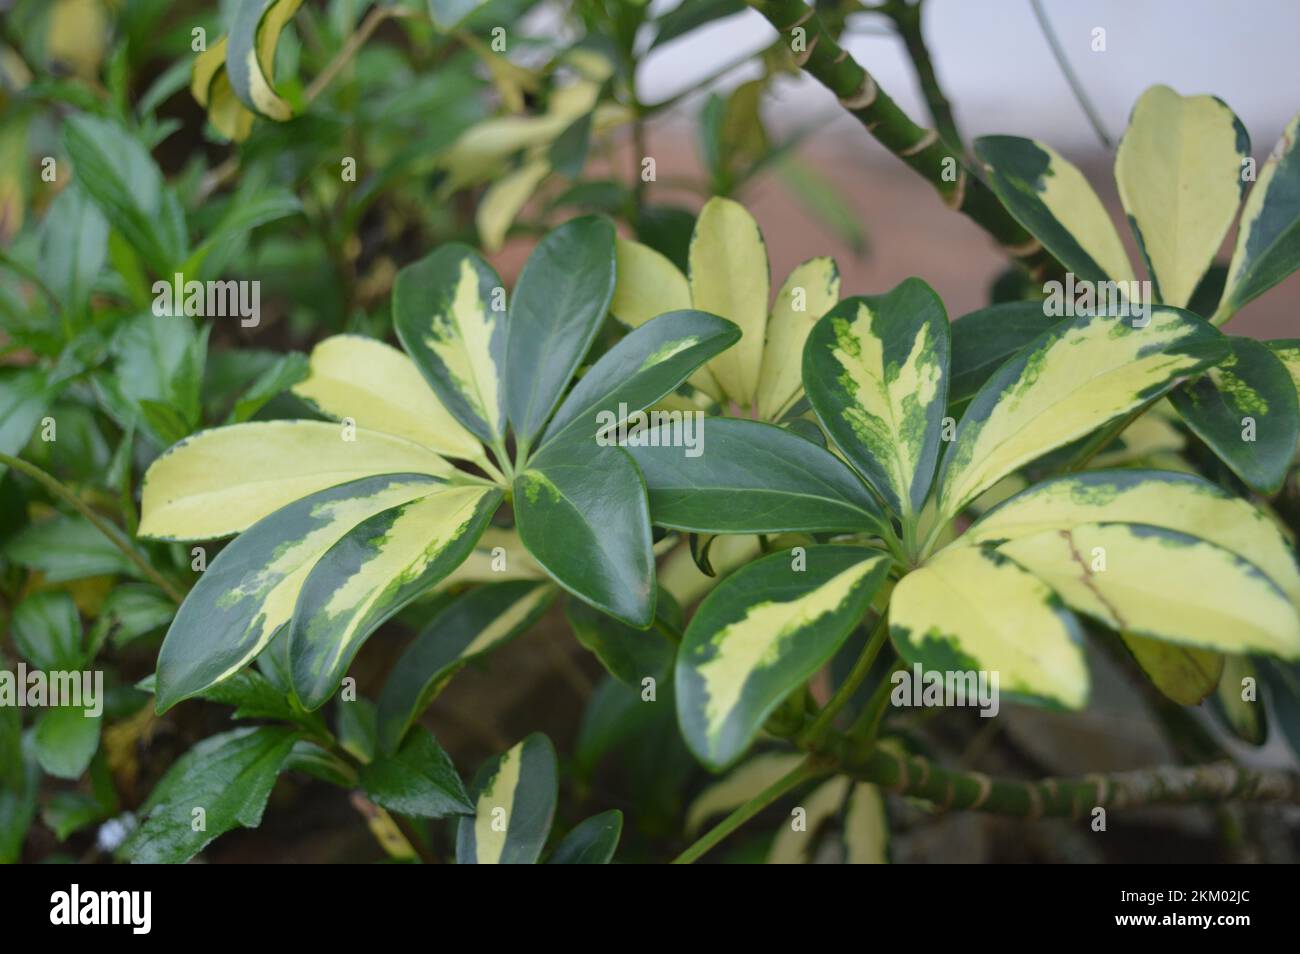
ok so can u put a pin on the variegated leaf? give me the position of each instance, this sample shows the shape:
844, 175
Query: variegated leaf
810, 291
248, 592
371, 573
646, 365
875, 369
1163, 584
219, 482
514, 798
1079, 375
379, 388
473, 624
210, 87
1181, 502
740, 785
449, 312
760, 635
1051, 198
591, 842
971, 609
1268, 239
250, 56
729, 277
866, 827
794, 846
1246, 411
1179, 172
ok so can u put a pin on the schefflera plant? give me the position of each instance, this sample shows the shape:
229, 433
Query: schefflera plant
1182, 169
1157, 555
342, 524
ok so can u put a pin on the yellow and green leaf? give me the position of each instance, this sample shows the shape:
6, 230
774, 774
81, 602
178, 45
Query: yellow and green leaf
970, 609
249, 590
648, 284
378, 388
449, 313
875, 369
760, 635
250, 55
1080, 374
514, 798
1246, 411
1178, 169
1172, 501
219, 482
210, 87
794, 845
1163, 584
372, 572
740, 785
1268, 239
1051, 198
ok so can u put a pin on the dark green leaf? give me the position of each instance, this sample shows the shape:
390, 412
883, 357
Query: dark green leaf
630, 655
646, 365
224, 782
592, 842
752, 478
47, 631
983, 340
67, 548
1246, 410
418, 780
558, 305
581, 512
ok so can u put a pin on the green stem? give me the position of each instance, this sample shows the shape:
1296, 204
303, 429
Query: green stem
114, 535
875, 642
809, 768
369, 25
920, 148
1071, 78
907, 20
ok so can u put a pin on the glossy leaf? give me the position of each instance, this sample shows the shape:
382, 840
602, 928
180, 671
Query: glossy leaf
875, 369
219, 482
751, 478
66, 740
628, 654
558, 305
1184, 503
444, 314
646, 365
375, 569
1051, 198
228, 776
1247, 412
1268, 239
581, 511
1074, 378
591, 842
249, 591
1163, 584
984, 340
418, 780
514, 803
970, 609
760, 635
